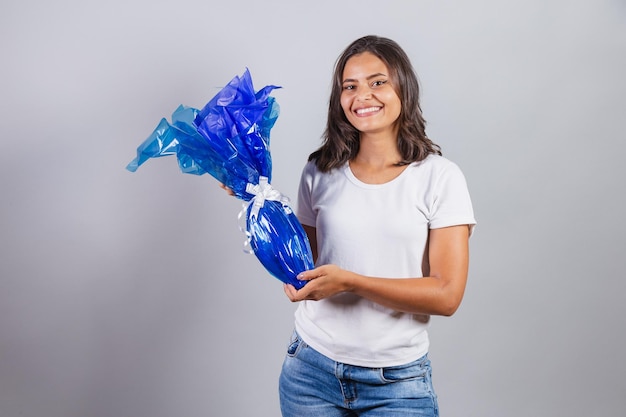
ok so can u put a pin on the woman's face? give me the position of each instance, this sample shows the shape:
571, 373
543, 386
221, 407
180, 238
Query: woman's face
368, 97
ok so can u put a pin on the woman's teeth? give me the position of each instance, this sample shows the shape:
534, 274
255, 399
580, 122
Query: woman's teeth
367, 110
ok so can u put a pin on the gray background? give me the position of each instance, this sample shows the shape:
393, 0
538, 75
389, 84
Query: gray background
125, 295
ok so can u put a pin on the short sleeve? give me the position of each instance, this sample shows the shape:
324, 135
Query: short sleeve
304, 209
451, 204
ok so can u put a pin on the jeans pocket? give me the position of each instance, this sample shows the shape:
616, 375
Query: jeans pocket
414, 370
294, 345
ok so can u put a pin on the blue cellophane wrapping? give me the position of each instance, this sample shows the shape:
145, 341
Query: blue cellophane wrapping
229, 140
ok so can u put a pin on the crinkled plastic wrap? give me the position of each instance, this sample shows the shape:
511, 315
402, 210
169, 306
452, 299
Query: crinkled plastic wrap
229, 140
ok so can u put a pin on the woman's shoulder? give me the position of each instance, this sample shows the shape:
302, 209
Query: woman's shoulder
436, 169
436, 162
311, 168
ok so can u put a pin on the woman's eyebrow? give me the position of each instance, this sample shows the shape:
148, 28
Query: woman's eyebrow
378, 74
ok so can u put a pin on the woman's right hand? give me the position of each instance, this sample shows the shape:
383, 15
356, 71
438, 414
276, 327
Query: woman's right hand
228, 190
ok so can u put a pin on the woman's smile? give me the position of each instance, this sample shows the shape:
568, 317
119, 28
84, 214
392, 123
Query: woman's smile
368, 111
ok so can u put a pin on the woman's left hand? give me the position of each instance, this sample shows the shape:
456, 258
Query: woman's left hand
324, 281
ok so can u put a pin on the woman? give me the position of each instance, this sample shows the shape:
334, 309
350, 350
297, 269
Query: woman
389, 220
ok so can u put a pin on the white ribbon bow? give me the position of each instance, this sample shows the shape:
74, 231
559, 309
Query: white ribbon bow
263, 191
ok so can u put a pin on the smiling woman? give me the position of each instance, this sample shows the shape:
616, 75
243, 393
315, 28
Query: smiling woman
119, 298
389, 219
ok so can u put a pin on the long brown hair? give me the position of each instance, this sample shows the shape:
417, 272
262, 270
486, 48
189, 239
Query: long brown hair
341, 140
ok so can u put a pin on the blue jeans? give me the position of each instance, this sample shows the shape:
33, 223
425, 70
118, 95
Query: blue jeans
312, 385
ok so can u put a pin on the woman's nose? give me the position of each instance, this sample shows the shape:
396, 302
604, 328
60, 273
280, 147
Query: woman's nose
364, 94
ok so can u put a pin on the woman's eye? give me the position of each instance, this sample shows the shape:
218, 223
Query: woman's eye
348, 87
378, 83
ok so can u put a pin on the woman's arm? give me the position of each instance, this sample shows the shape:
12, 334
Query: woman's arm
440, 293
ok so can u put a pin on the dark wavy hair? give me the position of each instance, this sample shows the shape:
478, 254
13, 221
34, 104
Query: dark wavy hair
341, 140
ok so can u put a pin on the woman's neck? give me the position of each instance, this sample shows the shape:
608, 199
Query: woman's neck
378, 151
377, 160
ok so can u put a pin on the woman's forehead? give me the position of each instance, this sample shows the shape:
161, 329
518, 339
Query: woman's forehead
364, 65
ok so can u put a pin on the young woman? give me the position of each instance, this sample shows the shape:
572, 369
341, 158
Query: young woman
388, 219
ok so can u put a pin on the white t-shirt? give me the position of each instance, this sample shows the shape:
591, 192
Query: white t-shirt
378, 230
